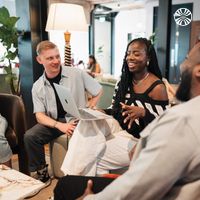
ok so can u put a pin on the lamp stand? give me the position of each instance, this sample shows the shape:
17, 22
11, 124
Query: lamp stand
67, 57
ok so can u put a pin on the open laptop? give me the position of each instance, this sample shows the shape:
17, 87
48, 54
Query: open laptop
69, 105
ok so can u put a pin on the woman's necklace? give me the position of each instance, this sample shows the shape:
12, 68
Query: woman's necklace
140, 81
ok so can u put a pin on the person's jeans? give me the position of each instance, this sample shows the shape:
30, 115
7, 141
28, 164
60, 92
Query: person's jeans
35, 139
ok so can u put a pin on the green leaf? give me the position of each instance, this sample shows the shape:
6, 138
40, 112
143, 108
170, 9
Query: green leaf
4, 14
10, 55
9, 38
8, 32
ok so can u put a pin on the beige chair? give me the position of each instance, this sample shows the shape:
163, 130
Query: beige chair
106, 98
58, 150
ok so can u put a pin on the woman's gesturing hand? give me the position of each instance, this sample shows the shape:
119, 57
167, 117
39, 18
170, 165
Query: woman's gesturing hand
131, 113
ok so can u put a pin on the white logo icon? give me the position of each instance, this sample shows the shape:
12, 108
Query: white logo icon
183, 16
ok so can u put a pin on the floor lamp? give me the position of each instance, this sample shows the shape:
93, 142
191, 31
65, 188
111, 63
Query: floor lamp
66, 17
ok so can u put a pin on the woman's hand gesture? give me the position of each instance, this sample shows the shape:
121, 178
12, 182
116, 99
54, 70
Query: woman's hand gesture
131, 113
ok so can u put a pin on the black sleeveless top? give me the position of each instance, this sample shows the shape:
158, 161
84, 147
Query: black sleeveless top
153, 109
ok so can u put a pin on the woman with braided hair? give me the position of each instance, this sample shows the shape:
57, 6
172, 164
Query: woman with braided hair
140, 95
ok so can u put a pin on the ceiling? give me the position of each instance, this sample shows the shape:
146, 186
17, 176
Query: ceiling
109, 5
118, 5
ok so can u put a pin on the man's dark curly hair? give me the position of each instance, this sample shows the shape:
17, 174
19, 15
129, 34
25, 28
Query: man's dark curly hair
126, 76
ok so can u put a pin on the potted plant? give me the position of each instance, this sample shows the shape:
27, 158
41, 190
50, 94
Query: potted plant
9, 48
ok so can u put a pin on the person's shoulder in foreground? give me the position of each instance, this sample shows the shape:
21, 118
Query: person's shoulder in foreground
166, 164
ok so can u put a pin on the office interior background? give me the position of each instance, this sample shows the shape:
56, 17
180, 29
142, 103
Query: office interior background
111, 25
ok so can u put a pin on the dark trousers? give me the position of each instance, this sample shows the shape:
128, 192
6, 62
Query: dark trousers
72, 187
35, 139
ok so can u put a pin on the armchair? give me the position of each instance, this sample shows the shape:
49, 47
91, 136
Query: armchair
12, 108
106, 99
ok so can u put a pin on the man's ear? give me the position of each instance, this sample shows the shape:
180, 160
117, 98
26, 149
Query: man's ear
197, 71
39, 59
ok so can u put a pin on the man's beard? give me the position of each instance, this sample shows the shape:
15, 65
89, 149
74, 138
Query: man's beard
184, 89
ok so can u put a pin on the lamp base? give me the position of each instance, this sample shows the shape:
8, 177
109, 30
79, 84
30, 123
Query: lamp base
67, 55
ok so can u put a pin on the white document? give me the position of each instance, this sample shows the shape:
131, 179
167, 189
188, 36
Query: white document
16, 185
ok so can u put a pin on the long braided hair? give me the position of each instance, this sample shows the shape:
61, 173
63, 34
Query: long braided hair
126, 76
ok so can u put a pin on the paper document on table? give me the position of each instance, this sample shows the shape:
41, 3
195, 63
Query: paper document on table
16, 185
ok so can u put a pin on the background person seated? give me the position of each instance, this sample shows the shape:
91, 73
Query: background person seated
93, 66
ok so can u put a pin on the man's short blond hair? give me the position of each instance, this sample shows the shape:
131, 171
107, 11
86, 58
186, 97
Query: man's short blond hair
45, 45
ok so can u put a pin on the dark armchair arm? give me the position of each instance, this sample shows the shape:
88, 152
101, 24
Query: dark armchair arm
12, 108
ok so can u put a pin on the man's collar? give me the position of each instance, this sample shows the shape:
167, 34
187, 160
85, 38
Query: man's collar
63, 74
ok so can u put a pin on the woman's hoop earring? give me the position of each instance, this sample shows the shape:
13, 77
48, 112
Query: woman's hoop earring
148, 63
